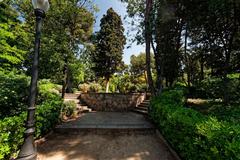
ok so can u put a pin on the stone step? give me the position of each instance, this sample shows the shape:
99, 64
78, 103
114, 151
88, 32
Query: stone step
107, 123
141, 108
143, 105
83, 109
106, 130
144, 112
75, 100
71, 96
147, 103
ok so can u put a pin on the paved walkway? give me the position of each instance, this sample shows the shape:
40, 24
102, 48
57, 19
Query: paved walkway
85, 139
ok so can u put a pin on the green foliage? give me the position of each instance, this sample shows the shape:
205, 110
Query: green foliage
69, 108
234, 76
192, 133
213, 88
67, 26
13, 102
95, 87
13, 38
138, 64
48, 114
77, 72
127, 84
84, 87
91, 87
14, 90
13, 93
47, 90
45, 85
11, 135
12, 128
230, 113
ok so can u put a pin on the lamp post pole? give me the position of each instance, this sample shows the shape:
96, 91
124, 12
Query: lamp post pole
28, 149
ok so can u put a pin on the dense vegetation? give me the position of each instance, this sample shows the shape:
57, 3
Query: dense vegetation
193, 40
12, 128
194, 135
63, 36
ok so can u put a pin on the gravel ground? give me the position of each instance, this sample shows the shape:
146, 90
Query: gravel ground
103, 147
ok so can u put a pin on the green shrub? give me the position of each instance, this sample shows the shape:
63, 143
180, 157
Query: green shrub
95, 87
13, 93
46, 85
14, 89
48, 114
11, 135
69, 108
12, 128
229, 113
142, 88
84, 87
192, 134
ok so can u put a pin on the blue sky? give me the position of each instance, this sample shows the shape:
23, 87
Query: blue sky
120, 8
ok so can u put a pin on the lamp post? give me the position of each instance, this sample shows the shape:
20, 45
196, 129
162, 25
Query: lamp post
28, 149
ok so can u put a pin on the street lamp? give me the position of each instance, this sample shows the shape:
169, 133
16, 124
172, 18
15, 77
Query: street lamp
28, 149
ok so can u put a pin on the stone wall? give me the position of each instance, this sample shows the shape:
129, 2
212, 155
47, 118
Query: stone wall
112, 101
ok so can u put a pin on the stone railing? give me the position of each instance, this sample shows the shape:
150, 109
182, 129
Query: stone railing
112, 101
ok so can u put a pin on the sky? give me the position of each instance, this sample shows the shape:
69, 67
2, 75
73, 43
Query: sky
120, 8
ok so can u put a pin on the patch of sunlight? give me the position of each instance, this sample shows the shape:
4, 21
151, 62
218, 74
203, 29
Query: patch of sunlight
138, 156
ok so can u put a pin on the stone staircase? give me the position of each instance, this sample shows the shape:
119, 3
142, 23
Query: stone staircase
81, 107
142, 108
104, 123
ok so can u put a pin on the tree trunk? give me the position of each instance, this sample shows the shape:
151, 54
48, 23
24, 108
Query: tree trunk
64, 82
225, 90
148, 37
202, 70
158, 65
107, 84
145, 76
159, 74
228, 51
69, 82
186, 58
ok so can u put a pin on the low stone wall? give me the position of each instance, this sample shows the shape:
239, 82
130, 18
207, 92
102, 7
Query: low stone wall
112, 101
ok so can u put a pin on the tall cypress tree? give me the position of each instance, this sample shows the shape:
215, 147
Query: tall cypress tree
109, 43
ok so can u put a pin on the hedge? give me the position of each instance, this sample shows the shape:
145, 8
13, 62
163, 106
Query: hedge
194, 135
13, 93
12, 128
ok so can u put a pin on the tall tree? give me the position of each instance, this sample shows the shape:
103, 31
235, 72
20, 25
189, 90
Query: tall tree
109, 43
67, 27
168, 26
148, 39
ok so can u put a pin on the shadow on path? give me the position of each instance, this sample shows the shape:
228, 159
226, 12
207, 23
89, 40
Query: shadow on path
103, 147
81, 140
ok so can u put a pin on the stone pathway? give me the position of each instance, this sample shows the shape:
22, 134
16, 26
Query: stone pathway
105, 136
103, 147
